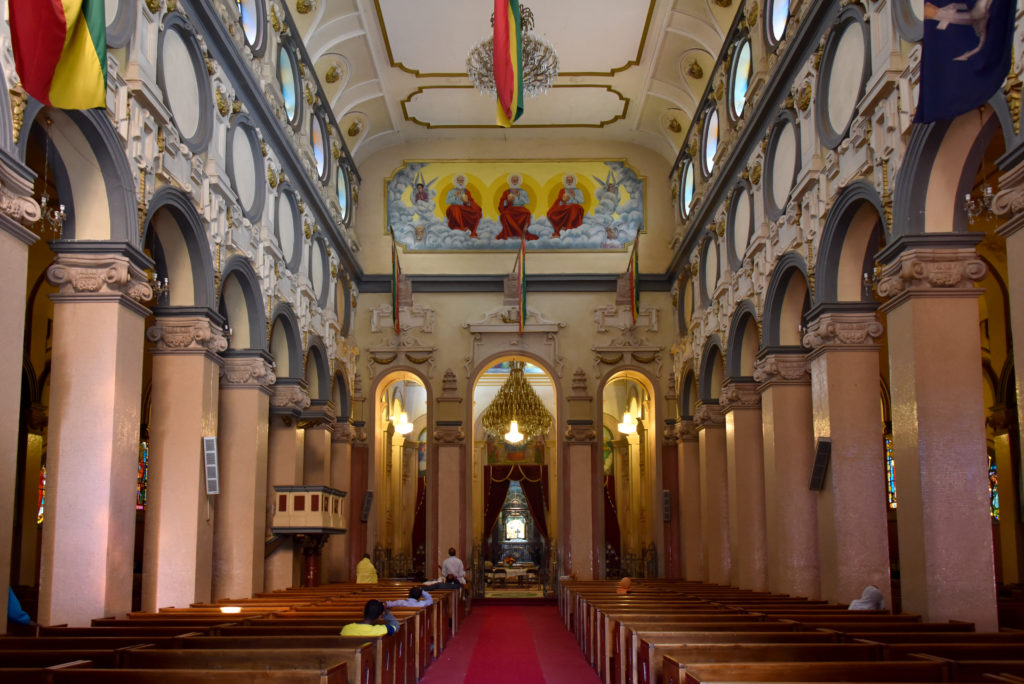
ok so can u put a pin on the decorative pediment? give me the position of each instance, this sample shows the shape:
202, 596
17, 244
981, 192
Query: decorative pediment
400, 350
413, 317
620, 316
498, 332
628, 348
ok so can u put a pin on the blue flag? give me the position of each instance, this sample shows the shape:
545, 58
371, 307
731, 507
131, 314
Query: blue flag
965, 55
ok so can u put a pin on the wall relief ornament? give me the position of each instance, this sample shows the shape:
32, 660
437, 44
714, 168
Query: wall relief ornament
246, 371
621, 317
925, 269
412, 317
578, 432
629, 347
82, 273
498, 332
843, 329
192, 333
403, 348
449, 434
782, 369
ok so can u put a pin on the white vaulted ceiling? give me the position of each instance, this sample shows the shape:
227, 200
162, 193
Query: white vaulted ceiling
394, 70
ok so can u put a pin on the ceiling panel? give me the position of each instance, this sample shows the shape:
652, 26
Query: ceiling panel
465, 107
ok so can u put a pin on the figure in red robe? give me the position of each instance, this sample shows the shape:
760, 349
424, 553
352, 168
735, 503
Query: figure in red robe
463, 212
514, 212
567, 211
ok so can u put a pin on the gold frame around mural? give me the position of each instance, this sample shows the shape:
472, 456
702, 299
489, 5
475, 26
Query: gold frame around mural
405, 162
418, 74
622, 98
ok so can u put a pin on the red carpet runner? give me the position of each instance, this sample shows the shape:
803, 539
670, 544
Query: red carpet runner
512, 644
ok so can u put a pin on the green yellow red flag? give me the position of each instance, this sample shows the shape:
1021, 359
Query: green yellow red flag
508, 61
60, 51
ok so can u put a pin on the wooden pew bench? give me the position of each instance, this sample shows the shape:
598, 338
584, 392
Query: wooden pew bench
85, 675
325, 659
675, 672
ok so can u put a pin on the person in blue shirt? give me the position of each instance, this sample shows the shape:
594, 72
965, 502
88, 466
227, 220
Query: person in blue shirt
417, 599
15, 613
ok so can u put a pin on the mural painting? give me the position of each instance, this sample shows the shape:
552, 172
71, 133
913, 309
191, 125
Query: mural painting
483, 206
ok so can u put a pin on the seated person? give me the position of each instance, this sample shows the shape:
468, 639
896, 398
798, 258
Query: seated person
870, 599
624, 585
366, 573
417, 599
449, 583
15, 613
377, 621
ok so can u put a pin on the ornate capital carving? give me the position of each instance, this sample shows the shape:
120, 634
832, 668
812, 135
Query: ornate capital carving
186, 333
343, 433
782, 369
709, 416
289, 397
246, 371
1010, 198
86, 274
843, 330
686, 430
923, 269
580, 432
670, 434
449, 434
739, 395
22, 208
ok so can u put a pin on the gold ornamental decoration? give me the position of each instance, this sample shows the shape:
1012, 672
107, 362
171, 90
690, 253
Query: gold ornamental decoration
516, 400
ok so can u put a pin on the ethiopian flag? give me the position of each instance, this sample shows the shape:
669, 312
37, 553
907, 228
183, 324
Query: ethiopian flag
508, 61
60, 51
634, 278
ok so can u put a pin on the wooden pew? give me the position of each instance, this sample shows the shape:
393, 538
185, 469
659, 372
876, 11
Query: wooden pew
335, 675
325, 659
675, 672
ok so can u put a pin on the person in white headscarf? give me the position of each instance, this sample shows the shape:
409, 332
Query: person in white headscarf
870, 599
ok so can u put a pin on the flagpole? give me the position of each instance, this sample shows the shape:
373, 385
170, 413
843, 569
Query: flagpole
396, 274
522, 281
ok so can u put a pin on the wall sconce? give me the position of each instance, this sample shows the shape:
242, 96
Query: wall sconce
975, 207
228, 331
628, 424
161, 286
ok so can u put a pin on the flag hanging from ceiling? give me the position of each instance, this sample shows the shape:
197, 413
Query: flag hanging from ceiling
508, 61
396, 278
60, 51
520, 269
965, 55
634, 286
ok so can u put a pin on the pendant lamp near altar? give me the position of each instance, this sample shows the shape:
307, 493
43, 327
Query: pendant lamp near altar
516, 413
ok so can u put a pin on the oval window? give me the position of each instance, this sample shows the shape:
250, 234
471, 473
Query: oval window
686, 188
317, 140
777, 20
286, 75
343, 192
710, 140
250, 20
741, 72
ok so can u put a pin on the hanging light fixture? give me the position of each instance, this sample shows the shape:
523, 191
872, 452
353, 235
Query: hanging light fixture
516, 410
540, 61
51, 218
402, 425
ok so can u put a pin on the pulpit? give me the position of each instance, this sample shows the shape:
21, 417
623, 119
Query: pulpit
310, 513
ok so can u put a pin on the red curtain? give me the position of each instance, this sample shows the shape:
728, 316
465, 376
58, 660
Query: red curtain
534, 481
419, 527
494, 495
611, 519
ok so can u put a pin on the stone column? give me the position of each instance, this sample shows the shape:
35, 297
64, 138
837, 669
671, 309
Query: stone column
359, 482
670, 478
93, 445
853, 546
1009, 202
336, 556
1006, 440
16, 207
580, 482
714, 493
242, 436
741, 405
788, 440
939, 451
284, 467
316, 470
689, 501
178, 550
448, 505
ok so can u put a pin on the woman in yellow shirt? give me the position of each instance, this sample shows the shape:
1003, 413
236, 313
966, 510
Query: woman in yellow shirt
365, 572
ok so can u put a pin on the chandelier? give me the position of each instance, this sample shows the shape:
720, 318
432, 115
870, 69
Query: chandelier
517, 409
540, 61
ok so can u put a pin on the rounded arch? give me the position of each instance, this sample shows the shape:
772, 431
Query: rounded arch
176, 237
286, 342
743, 342
712, 370
317, 370
939, 168
384, 382
241, 304
342, 397
96, 179
638, 375
854, 232
786, 301
688, 395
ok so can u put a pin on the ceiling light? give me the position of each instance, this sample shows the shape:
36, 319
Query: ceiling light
514, 436
628, 424
516, 401
402, 425
540, 61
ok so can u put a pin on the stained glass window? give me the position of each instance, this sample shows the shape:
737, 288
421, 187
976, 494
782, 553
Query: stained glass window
710, 140
319, 145
890, 473
993, 485
142, 482
741, 70
286, 75
343, 192
42, 495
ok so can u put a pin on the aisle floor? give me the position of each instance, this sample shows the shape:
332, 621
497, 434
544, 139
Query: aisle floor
501, 644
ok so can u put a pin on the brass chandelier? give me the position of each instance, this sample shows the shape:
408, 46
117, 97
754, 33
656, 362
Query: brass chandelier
516, 402
540, 61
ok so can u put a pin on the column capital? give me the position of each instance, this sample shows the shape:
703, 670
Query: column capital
739, 395
1000, 419
193, 332
843, 330
1009, 201
87, 271
782, 369
247, 372
449, 432
709, 416
687, 431
580, 431
18, 209
289, 396
671, 433
929, 264
343, 433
